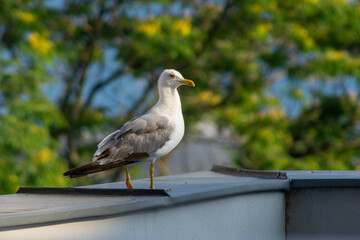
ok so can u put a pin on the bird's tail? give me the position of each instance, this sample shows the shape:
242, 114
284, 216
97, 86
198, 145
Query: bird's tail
92, 167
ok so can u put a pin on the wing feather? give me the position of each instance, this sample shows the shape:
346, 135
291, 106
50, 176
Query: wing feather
134, 142
140, 135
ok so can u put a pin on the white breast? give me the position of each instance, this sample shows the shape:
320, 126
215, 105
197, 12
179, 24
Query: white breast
174, 138
169, 105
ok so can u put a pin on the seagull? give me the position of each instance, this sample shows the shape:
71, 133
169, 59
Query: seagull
144, 138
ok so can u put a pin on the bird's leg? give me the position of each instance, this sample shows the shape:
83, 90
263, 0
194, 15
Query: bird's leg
152, 176
128, 183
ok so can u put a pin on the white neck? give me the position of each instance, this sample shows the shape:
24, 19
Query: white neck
169, 100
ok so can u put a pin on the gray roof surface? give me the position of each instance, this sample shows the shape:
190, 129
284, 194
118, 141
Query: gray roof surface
23, 208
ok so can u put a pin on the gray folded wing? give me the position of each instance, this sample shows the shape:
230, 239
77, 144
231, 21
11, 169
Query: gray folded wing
136, 140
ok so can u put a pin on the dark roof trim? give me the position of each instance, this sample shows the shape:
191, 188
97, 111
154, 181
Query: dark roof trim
93, 191
299, 179
324, 183
249, 173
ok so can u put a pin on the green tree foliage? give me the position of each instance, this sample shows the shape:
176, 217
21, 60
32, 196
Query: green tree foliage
237, 52
28, 152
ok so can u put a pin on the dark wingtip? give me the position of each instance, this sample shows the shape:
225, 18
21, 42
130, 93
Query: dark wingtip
70, 173
95, 167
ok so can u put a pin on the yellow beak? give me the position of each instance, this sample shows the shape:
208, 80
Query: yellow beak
187, 82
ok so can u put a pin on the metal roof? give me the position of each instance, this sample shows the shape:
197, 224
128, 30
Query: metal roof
39, 205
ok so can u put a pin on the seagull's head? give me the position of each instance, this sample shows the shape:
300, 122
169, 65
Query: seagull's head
172, 78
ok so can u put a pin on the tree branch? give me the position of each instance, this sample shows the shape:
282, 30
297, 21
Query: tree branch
215, 27
140, 101
69, 89
101, 84
76, 86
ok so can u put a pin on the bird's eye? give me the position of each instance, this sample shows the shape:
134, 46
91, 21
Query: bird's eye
172, 75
